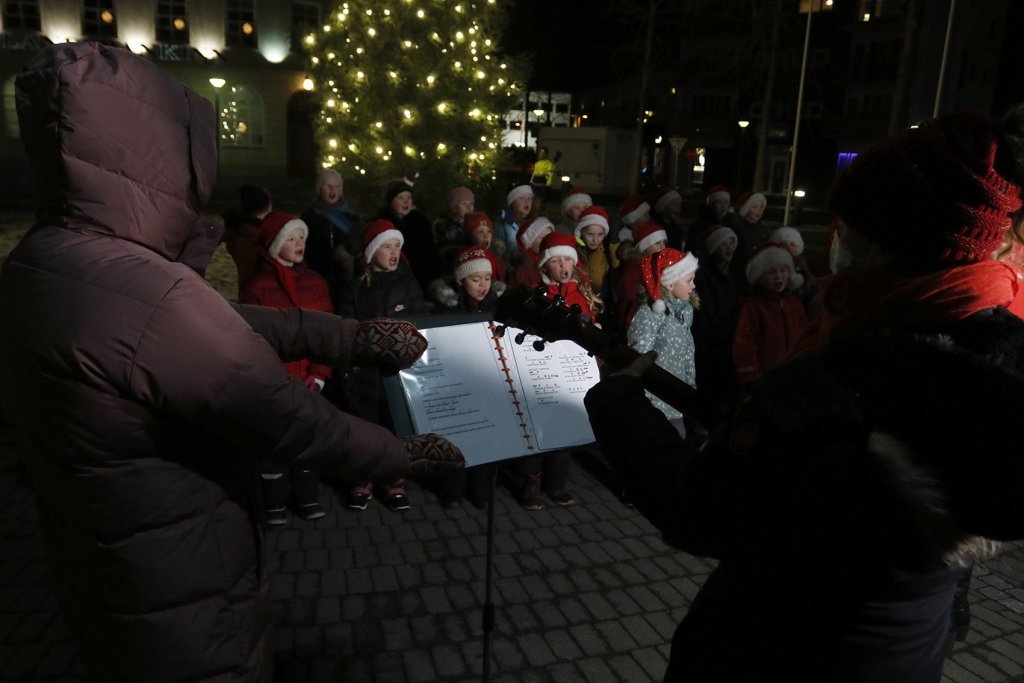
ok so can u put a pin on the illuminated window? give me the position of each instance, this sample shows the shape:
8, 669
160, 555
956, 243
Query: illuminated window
241, 117
241, 24
21, 15
171, 22
305, 20
99, 20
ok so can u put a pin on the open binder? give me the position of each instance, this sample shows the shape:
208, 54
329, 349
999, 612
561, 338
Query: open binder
491, 397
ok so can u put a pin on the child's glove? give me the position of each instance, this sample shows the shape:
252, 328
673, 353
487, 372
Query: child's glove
441, 292
387, 343
498, 287
430, 454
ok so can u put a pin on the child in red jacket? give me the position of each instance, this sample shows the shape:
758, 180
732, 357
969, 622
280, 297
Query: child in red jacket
282, 280
772, 318
559, 271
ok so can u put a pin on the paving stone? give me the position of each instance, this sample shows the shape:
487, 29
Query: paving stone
589, 639
595, 669
652, 662
618, 638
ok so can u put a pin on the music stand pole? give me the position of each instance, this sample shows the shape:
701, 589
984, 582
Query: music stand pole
488, 611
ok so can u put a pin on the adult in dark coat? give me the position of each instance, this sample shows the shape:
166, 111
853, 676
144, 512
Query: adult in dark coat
841, 504
138, 397
419, 248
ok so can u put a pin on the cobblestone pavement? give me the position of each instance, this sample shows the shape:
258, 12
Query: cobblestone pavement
588, 593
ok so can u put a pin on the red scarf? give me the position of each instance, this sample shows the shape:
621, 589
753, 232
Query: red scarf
852, 303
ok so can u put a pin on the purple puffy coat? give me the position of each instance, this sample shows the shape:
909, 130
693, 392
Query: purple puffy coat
139, 397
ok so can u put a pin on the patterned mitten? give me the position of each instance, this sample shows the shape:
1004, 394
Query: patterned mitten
387, 343
430, 454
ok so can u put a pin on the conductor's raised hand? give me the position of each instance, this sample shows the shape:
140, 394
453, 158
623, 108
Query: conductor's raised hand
387, 343
430, 454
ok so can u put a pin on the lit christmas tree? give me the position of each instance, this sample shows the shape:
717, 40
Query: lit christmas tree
411, 85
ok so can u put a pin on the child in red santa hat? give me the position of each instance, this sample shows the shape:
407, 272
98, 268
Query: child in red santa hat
283, 280
558, 270
576, 201
531, 233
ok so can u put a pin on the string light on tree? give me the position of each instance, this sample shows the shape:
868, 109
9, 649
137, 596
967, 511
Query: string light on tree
402, 98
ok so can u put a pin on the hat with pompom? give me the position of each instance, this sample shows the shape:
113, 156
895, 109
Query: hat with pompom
593, 215
377, 233
471, 260
717, 234
530, 230
786, 234
633, 209
472, 221
648, 233
457, 196
400, 185
664, 269
276, 228
771, 255
557, 244
516, 191
573, 197
718, 192
664, 196
749, 200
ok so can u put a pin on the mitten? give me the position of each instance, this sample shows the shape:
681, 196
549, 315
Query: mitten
498, 287
430, 454
441, 292
387, 343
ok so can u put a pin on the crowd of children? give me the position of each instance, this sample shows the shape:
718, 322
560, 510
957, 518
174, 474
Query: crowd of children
721, 300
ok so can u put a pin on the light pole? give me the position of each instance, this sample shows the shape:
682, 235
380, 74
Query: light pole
945, 54
811, 6
739, 161
217, 84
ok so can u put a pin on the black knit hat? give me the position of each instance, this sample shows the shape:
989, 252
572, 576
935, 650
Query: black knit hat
254, 199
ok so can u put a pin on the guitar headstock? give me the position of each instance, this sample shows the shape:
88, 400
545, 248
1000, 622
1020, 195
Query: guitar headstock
533, 311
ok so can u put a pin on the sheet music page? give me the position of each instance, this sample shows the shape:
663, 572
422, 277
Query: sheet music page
552, 384
458, 389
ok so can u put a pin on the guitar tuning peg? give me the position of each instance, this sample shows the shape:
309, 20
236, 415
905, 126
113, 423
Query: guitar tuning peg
520, 338
560, 300
576, 309
499, 330
538, 345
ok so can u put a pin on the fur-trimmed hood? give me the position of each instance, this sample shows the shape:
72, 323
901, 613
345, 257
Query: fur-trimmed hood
936, 411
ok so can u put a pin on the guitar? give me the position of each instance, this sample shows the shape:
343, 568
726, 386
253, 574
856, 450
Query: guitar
532, 311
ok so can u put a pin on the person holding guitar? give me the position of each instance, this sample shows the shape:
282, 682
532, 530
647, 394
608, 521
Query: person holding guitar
846, 497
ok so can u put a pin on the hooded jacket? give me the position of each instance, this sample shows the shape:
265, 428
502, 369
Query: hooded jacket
139, 396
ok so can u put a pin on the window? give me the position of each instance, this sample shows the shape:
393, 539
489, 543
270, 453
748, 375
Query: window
99, 20
241, 117
241, 24
171, 22
10, 110
305, 20
21, 15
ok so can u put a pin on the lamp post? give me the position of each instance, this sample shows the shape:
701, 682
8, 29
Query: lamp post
945, 55
811, 6
217, 84
739, 160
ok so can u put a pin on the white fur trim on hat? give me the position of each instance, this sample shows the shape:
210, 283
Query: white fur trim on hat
677, 271
721, 194
756, 198
715, 239
576, 198
558, 250
656, 236
663, 201
533, 232
769, 258
636, 214
625, 235
477, 265
592, 219
517, 192
286, 230
380, 239
786, 234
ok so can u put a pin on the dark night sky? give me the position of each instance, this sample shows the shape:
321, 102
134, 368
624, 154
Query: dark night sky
570, 42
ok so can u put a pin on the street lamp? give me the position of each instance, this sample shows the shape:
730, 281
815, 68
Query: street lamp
809, 6
739, 155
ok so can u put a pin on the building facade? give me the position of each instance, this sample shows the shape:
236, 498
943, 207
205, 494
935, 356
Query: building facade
245, 56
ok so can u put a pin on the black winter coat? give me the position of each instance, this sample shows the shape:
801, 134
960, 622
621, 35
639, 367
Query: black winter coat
419, 247
837, 501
